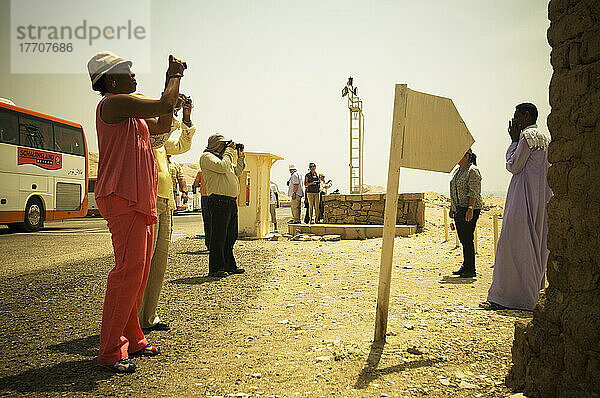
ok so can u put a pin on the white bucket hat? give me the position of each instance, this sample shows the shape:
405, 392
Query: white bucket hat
292, 167
102, 62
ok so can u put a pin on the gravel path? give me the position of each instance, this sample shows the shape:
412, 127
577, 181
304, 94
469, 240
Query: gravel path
298, 323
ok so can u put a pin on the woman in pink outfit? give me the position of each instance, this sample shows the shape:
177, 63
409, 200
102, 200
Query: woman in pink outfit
126, 196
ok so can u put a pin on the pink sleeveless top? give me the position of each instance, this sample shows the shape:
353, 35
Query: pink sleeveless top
126, 164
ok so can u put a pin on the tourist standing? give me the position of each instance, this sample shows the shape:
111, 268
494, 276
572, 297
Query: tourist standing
466, 204
178, 181
125, 192
522, 254
165, 205
273, 203
295, 192
325, 185
312, 184
223, 187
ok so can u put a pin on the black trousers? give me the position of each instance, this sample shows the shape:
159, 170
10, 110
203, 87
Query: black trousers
223, 213
307, 214
205, 220
466, 236
321, 206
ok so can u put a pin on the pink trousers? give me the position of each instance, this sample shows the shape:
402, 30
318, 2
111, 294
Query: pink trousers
132, 237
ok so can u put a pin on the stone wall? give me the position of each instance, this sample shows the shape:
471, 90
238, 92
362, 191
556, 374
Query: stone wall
557, 353
369, 208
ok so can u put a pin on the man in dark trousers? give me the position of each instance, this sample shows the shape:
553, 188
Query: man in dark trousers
200, 184
222, 186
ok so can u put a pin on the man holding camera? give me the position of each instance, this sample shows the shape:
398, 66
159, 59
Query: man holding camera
222, 185
295, 193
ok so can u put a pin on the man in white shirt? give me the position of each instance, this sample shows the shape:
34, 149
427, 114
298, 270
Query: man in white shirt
273, 203
295, 192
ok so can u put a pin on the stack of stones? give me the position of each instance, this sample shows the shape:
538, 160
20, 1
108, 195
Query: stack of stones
557, 353
368, 209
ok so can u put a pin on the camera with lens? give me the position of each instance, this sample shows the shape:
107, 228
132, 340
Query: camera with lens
183, 99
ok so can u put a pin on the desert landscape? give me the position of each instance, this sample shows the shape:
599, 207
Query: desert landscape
298, 323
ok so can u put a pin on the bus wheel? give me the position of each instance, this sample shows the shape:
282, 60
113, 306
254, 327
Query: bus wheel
34, 215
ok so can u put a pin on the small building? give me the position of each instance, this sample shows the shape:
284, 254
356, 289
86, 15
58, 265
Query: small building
253, 201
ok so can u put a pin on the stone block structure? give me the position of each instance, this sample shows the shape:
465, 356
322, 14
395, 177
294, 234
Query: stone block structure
557, 353
368, 209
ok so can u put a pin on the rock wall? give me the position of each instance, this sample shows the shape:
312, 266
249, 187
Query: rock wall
557, 353
369, 208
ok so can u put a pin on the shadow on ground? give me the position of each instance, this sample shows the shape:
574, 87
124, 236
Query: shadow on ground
457, 280
197, 252
62, 377
196, 280
370, 372
86, 346
513, 313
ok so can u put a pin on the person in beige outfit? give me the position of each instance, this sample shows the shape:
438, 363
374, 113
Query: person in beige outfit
163, 146
295, 192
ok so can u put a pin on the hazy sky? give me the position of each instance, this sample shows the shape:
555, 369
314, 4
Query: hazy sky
269, 74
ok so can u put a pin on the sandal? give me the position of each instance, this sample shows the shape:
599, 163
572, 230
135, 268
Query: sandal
148, 351
491, 306
122, 366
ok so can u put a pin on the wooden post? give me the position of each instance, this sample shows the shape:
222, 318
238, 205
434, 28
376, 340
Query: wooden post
475, 239
456, 236
446, 224
495, 220
391, 209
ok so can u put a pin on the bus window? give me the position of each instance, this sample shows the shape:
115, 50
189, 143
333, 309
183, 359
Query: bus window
68, 139
8, 127
91, 184
35, 133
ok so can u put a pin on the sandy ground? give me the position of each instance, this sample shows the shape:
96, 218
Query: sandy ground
298, 323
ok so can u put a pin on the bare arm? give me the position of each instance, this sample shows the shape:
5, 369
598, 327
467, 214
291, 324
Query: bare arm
120, 107
123, 106
161, 125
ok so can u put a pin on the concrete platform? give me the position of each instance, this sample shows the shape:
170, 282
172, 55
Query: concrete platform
348, 231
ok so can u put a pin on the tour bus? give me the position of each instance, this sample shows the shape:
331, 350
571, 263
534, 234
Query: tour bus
43, 168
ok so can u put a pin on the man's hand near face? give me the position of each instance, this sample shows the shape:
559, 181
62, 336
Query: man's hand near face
514, 130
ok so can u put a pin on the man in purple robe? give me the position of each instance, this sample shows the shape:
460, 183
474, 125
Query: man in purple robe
521, 255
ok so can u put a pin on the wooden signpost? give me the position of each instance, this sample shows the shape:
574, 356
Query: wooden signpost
446, 236
428, 134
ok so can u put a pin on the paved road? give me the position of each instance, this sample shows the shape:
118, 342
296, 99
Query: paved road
68, 241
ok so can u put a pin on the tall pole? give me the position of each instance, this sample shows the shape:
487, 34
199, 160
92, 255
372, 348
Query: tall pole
391, 209
356, 124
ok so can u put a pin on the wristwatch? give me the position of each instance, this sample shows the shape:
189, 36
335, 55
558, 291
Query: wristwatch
471, 207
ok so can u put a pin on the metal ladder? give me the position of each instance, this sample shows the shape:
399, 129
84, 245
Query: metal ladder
357, 123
